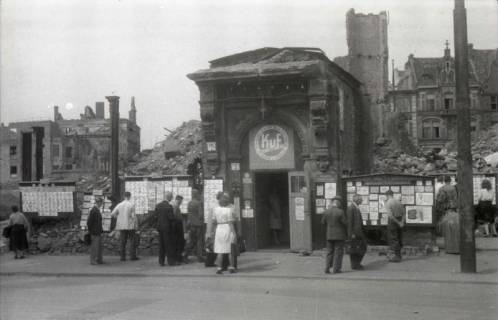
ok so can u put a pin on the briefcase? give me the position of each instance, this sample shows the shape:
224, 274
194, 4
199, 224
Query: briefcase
355, 246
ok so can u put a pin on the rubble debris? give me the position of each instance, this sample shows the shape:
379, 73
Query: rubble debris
390, 160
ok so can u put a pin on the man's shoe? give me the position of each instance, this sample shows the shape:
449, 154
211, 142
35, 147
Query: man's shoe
219, 271
135, 259
338, 271
327, 271
123, 259
395, 259
358, 267
161, 264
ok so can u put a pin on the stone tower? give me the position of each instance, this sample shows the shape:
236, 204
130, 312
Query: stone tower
132, 114
367, 60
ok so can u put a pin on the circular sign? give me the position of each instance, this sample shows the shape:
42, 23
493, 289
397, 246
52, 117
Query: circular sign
271, 142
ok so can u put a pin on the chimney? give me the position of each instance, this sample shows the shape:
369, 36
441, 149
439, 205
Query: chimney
99, 110
57, 115
132, 114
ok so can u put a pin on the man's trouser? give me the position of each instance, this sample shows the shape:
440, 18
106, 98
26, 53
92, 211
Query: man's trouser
196, 241
356, 257
96, 250
335, 252
131, 236
165, 249
394, 239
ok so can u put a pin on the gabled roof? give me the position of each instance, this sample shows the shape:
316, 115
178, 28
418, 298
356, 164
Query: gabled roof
481, 61
270, 62
428, 71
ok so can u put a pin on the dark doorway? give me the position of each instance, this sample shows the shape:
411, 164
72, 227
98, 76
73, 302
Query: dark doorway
271, 190
27, 153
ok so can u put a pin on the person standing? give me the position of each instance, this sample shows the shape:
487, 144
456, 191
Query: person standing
395, 223
225, 234
164, 215
335, 220
178, 231
94, 224
275, 216
195, 224
18, 233
485, 208
126, 224
447, 202
356, 234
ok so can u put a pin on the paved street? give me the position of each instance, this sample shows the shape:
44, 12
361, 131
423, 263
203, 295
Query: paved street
270, 286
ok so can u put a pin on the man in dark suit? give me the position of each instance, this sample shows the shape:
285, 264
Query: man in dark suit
356, 234
94, 224
335, 220
165, 216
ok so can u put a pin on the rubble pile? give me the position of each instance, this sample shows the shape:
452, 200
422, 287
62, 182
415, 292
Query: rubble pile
58, 239
390, 160
171, 156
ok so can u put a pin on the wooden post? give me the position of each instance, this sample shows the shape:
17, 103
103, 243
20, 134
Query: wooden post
114, 111
465, 183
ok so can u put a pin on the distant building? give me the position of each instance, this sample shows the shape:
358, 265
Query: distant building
35, 150
424, 96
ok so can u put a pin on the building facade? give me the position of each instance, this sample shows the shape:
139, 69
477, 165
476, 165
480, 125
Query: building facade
287, 122
424, 96
41, 149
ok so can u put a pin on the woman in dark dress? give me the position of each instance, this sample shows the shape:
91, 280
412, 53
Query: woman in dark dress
18, 234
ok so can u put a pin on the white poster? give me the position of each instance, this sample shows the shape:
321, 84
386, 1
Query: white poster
424, 199
418, 214
330, 190
299, 208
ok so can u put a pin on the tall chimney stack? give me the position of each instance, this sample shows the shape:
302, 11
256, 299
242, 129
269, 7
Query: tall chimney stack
99, 110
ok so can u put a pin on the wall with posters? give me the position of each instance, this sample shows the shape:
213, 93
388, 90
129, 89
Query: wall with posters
416, 193
147, 191
47, 199
89, 202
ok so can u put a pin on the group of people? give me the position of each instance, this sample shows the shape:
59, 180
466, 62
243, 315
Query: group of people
447, 212
179, 235
170, 223
345, 230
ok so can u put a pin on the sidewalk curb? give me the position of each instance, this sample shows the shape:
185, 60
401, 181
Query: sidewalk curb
240, 275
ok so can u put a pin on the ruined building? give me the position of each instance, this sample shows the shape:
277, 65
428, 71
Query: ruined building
34, 150
367, 60
423, 98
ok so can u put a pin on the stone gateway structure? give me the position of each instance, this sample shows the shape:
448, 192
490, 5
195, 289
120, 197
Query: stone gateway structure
287, 122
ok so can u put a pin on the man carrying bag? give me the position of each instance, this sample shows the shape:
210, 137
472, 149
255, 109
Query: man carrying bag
356, 246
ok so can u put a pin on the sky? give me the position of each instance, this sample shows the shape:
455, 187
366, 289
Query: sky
72, 53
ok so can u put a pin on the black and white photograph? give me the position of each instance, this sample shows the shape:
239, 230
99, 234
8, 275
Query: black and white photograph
248, 159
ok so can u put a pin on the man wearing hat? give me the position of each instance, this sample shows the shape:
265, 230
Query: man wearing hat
395, 223
335, 220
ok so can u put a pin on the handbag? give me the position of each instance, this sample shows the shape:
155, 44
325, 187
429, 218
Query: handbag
6, 231
87, 239
355, 246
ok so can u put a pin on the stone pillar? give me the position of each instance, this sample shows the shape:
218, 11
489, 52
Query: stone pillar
114, 111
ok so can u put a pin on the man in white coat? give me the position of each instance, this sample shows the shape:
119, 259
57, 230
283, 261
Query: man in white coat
127, 224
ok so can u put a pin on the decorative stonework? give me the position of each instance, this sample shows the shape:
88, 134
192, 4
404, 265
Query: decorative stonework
319, 118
